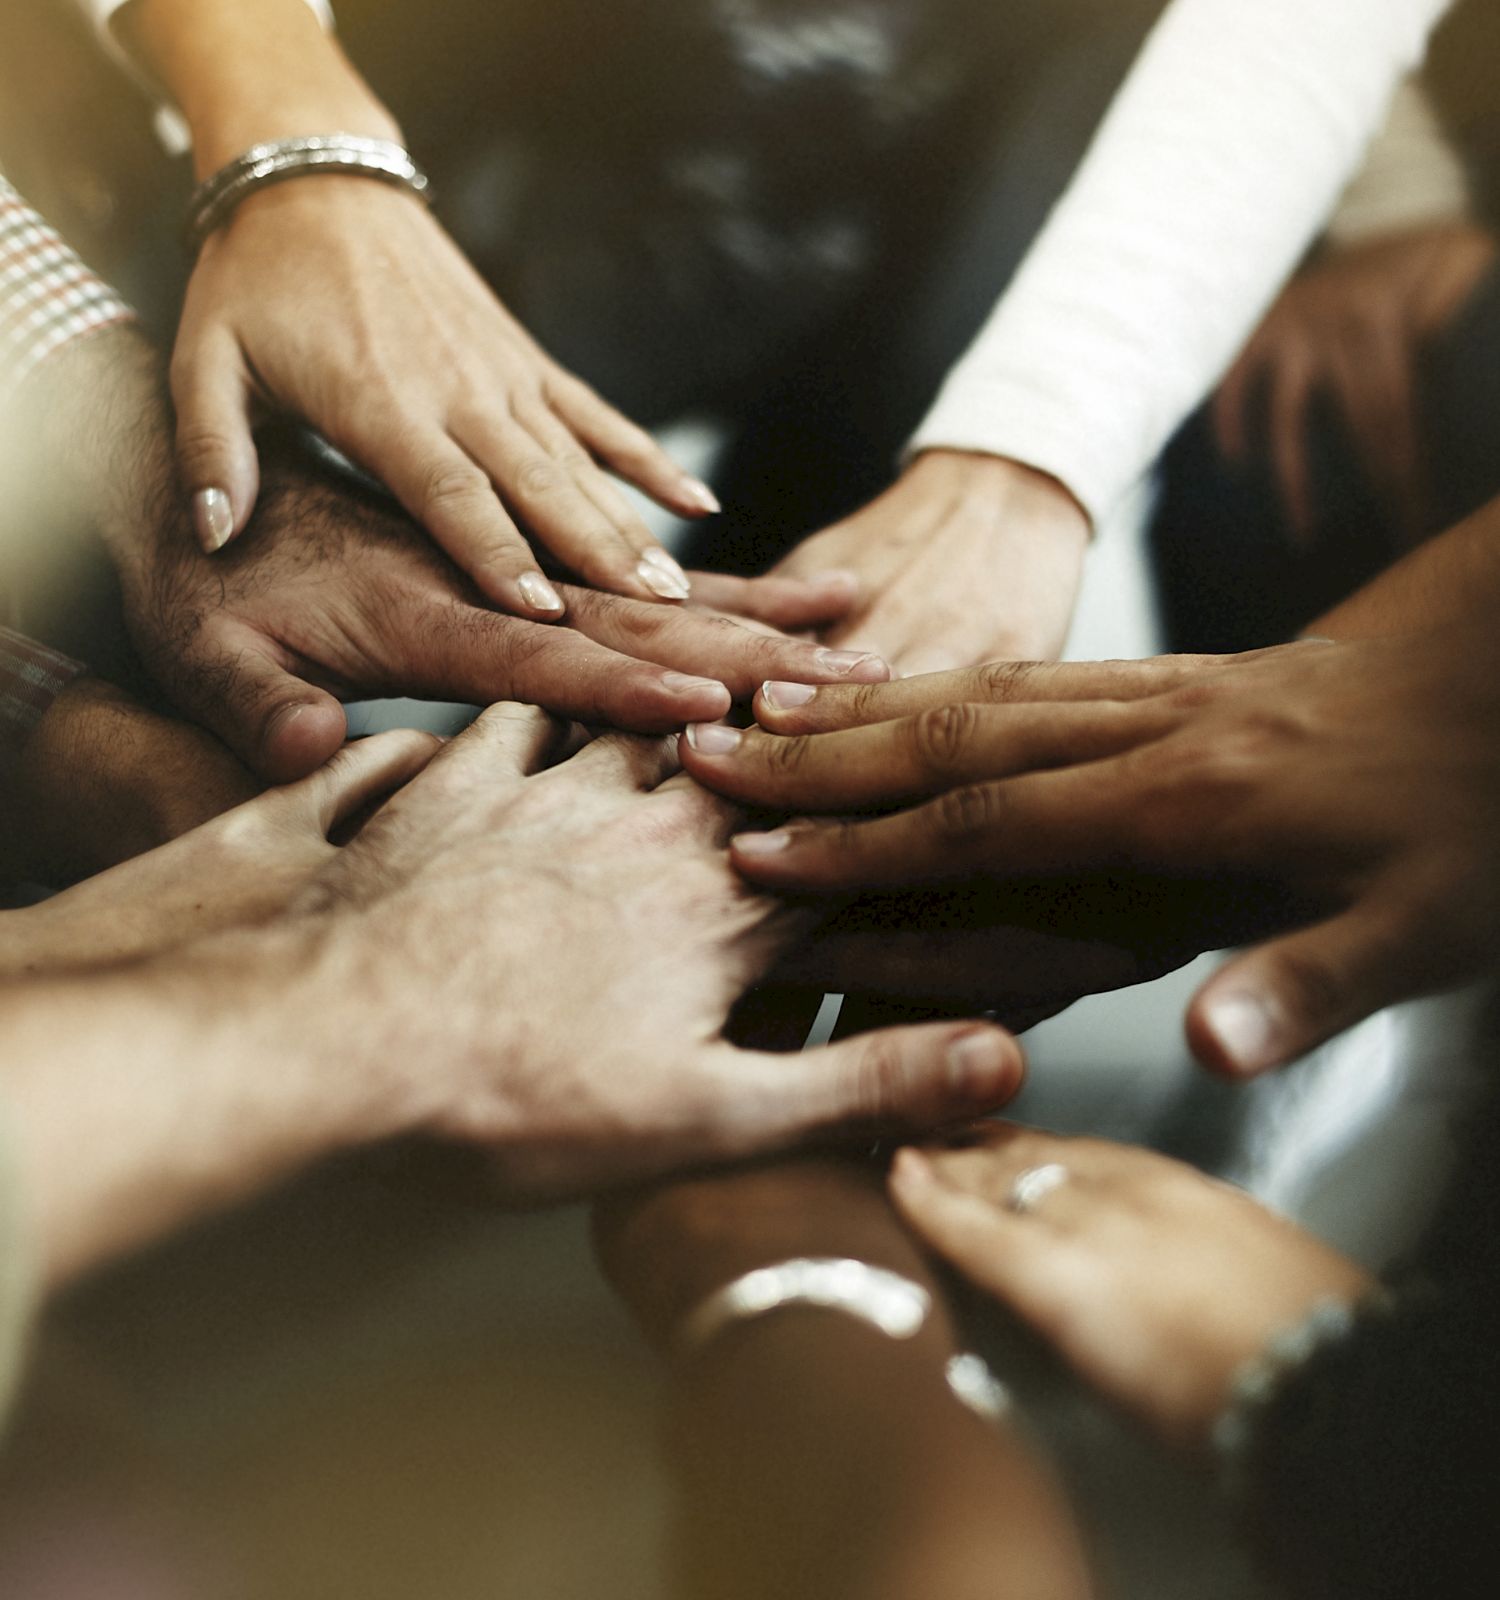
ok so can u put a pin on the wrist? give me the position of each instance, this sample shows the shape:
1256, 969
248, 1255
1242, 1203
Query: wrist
1035, 499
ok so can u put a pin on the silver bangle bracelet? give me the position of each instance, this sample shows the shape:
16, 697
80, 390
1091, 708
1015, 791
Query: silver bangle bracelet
883, 1300
264, 164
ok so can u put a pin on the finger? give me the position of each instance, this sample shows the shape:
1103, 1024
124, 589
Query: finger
628, 450
1291, 393
565, 502
916, 757
506, 741
999, 1250
453, 498
1078, 820
1273, 1004
899, 1078
701, 643
792, 707
791, 603
704, 814
363, 772
233, 683
1376, 390
621, 758
216, 456
1231, 406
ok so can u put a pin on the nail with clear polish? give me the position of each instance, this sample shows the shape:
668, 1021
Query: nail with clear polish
698, 494
661, 582
786, 696
859, 665
714, 738
213, 518
761, 844
538, 593
664, 563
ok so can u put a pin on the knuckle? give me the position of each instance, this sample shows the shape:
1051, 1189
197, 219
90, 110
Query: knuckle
1002, 680
878, 1079
968, 813
538, 476
940, 736
450, 487
203, 442
786, 757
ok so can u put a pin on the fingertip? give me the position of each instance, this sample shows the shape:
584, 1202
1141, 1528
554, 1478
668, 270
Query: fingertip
985, 1068
696, 700
776, 698
911, 1172
213, 519
298, 738
537, 598
1236, 1032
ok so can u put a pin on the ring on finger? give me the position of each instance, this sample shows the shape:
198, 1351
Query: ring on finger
1034, 1185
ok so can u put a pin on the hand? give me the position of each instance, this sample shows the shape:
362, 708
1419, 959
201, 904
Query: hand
344, 303
1153, 1281
1353, 328
1354, 788
965, 558
569, 944
101, 779
333, 591
239, 870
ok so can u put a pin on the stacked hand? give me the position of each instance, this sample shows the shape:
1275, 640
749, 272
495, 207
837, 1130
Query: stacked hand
1356, 784
1155, 1282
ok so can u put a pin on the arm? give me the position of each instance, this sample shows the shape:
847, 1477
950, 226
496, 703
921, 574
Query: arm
814, 1456
417, 372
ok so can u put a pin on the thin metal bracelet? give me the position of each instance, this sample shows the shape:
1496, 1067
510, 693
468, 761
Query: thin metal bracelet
883, 1300
262, 165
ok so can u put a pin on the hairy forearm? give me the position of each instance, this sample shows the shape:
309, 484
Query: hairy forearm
1450, 578
147, 1095
244, 71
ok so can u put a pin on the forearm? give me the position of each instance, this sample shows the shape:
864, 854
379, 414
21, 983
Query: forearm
143, 1097
245, 71
1449, 579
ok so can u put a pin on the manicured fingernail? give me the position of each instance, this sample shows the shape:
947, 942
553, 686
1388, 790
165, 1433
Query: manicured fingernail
699, 493
714, 738
1246, 1031
538, 593
664, 563
979, 1066
786, 696
661, 582
761, 844
213, 517
682, 683
859, 665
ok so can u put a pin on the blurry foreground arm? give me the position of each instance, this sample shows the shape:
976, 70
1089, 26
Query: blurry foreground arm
815, 1456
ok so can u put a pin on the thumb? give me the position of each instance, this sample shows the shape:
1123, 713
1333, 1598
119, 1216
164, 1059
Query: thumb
1276, 1002
894, 1080
279, 725
355, 777
216, 457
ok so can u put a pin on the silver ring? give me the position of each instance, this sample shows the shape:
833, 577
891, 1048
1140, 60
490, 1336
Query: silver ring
1034, 1185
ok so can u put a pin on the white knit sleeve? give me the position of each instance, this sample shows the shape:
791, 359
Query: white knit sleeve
1219, 161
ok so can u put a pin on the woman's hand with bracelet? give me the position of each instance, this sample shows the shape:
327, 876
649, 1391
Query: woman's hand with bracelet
1155, 1282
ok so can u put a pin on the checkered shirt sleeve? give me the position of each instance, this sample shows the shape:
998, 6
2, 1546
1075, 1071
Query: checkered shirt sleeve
48, 298
31, 678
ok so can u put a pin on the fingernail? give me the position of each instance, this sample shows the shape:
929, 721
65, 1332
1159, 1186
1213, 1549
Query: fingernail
979, 1066
538, 593
664, 563
761, 844
701, 495
714, 738
856, 664
1245, 1029
837, 578
661, 582
682, 683
213, 517
786, 696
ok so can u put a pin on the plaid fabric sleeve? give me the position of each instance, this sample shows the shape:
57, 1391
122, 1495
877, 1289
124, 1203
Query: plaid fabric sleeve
31, 678
48, 298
